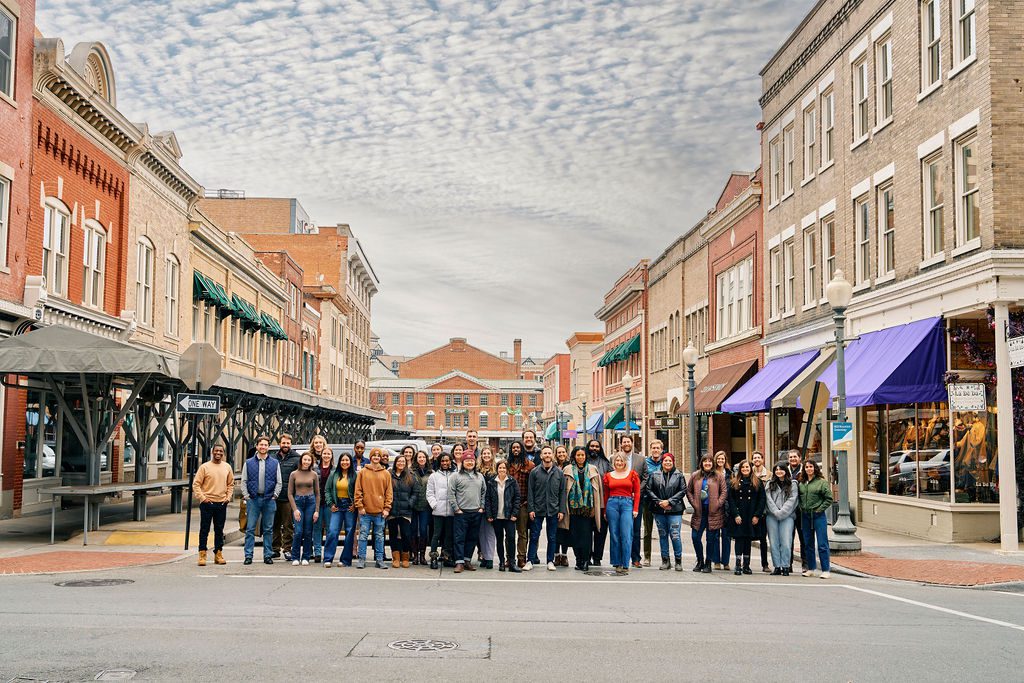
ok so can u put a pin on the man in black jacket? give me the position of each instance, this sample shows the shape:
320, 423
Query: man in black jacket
546, 504
597, 458
283, 526
795, 465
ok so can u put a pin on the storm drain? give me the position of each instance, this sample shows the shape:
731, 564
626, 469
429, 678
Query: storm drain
95, 583
600, 572
397, 646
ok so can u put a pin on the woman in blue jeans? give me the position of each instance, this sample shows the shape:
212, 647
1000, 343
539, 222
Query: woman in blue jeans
304, 496
666, 489
782, 499
338, 492
323, 463
725, 538
622, 502
815, 499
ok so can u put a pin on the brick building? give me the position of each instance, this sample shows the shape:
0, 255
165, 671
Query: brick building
555, 380
891, 143
582, 346
285, 267
456, 387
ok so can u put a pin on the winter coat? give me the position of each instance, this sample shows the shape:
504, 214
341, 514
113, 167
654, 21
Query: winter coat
717, 498
815, 495
671, 488
405, 494
546, 492
422, 504
438, 485
511, 502
595, 477
288, 465
782, 503
745, 502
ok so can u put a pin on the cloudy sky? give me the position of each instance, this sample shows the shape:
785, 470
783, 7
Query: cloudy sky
502, 162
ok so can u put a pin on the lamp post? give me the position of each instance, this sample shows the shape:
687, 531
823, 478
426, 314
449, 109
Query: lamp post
627, 384
583, 402
690, 357
839, 292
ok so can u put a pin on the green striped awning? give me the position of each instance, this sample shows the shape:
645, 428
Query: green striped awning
245, 312
272, 327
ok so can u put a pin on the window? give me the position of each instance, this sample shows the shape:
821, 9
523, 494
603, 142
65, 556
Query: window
519, 400
963, 36
8, 44
458, 399
968, 213
828, 250
775, 261
465, 399
294, 303
787, 158
503, 421
533, 399
790, 275
447, 399
171, 284
860, 100
810, 140
931, 33
484, 399
394, 415
810, 266
5, 210
410, 419
883, 80
775, 168
886, 230
484, 420
504, 399
735, 291
396, 399
55, 248
430, 419
931, 184
144, 282
94, 258
409, 399
862, 227
828, 124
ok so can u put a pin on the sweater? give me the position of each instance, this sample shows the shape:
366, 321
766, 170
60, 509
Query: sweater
628, 487
373, 490
214, 483
468, 491
303, 483
782, 502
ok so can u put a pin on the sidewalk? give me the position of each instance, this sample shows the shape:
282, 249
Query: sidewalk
120, 542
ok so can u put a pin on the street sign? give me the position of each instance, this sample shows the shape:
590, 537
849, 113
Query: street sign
663, 422
198, 404
199, 366
1016, 347
966, 396
813, 403
842, 436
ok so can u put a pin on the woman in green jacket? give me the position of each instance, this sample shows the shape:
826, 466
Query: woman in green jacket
815, 500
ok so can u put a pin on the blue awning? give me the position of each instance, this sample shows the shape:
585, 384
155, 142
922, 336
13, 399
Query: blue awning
621, 427
756, 395
595, 423
902, 364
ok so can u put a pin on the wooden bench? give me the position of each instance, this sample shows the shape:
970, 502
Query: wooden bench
94, 495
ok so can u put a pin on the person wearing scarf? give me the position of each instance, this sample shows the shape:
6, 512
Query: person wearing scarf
583, 490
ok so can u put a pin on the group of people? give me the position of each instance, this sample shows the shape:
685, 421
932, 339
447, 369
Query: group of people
447, 509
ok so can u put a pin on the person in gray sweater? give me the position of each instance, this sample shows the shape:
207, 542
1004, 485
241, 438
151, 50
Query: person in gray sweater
782, 501
468, 494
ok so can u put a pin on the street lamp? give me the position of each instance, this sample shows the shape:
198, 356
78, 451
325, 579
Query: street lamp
563, 410
583, 402
690, 356
627, 384
839, 292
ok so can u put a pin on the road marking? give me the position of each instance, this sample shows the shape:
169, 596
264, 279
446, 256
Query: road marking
937, 608
1016, 595
590, 582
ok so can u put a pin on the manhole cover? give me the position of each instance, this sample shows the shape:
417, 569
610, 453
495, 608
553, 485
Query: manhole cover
94, 583
600, 572
423, 645
116, 675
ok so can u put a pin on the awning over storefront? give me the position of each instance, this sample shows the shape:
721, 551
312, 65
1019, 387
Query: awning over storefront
788, 397
552, 431
717, 385
616, 416
902, 364
621, 427
245, 312
272, 327
756, 395
595, 423
60, 350
621, 351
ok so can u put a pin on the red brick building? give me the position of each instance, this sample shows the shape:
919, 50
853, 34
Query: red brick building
556, 388
286, 268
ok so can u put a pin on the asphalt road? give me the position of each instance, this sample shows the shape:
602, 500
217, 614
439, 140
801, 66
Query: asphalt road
259, 623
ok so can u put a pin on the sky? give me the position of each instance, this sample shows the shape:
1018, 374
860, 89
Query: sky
502, 163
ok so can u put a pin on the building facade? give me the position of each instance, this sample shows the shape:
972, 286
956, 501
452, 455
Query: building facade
555, 380
890, 143
582, 412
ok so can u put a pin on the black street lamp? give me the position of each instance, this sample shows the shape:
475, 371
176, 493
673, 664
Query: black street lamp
690, 356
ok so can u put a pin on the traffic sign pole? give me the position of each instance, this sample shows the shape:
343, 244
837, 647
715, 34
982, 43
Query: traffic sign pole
194, 434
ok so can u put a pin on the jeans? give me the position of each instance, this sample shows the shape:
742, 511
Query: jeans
283, 524
761, 534
726, 544
620, 528
648, 517
443, 534
505, 540
551, 524
420, 529
366, 521
816, 529
319, 526
713, 547
262, 511
635, 548
780, 531
303, 538
668, 530
400, 530
467, 532
798, 531
216, 513
342, 519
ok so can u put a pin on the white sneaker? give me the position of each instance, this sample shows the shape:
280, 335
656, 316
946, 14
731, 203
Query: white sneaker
808, 573
551, 566
327, 565
295, 563
528, 567
826, 575
305, 563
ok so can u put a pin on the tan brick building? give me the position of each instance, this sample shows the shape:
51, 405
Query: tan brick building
891, 146
555, 380
582, 346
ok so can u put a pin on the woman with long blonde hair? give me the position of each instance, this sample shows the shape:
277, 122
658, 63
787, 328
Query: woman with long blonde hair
488, 539
323, 464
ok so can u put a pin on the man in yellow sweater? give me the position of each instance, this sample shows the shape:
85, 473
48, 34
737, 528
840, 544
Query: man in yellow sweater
214, 485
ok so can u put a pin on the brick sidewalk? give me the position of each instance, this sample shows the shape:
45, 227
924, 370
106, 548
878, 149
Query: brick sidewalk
78, 560
939, 572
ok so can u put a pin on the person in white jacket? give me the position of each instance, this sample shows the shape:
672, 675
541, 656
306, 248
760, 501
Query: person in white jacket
442, 511
782, 499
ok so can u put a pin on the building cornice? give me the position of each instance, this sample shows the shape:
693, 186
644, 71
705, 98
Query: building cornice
212, 238
733, 212
620, 299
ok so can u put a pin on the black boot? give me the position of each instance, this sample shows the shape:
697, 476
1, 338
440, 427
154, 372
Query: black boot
746, 565
433, 559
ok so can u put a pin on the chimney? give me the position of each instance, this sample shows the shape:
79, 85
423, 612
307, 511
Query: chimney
458, 343
517, 354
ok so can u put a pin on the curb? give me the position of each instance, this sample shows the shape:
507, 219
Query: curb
99, 569
845, 571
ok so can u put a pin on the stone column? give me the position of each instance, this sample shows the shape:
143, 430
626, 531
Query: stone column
1005, 447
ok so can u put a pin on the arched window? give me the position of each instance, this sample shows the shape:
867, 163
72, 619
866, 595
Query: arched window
430, 418
394, 417
504, 421
144, 282
56, 222
484, 419
94, 261
172, 279
409, 419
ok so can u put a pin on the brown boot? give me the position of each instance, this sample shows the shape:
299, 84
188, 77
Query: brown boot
396, 559
218, 558
202, 558
405, 560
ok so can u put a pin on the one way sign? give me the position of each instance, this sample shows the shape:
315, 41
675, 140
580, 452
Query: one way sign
198, 404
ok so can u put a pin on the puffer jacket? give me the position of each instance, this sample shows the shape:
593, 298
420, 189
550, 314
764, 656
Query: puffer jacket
671, 488
422, 504
405, 494
718, 493
438, 485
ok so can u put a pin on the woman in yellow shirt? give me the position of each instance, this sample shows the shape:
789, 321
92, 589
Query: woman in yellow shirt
338, 492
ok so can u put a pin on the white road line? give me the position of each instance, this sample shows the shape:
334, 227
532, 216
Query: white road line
590, 582
1016, 595
937, 608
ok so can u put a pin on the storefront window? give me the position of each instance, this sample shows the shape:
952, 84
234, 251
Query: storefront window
974, 449
40, 435
785, 432
907, 450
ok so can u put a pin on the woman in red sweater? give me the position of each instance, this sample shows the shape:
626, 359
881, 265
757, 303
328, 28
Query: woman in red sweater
622, 501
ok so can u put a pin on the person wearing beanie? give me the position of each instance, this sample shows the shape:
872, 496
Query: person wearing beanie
468, 494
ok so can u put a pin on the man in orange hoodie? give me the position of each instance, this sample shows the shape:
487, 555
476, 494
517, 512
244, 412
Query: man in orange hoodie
214, 486
373, 498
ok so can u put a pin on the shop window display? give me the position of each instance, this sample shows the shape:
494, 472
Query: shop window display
907, 450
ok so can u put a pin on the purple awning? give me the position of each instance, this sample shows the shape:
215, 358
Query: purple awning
902, 364
756, 395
